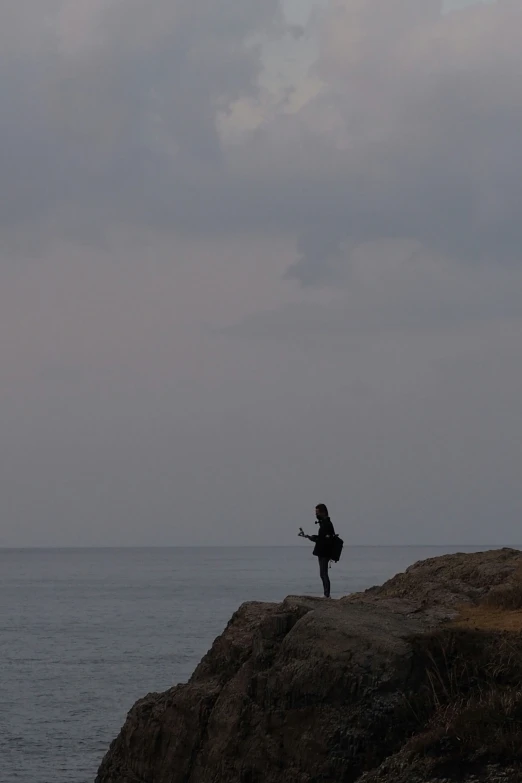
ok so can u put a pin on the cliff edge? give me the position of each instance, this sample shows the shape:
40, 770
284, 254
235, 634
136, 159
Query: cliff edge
416, 681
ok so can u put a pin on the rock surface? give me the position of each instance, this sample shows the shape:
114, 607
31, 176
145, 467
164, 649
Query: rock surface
312, 690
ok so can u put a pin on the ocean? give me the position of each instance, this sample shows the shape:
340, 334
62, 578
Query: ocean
86, 632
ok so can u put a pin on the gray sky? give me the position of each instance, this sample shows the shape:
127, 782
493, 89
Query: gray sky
257, 256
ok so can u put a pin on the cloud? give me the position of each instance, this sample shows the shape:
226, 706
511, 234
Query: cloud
108, 109
393, 288
153, 114
412, 135
421, 114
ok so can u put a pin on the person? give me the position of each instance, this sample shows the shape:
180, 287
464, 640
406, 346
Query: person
322, 544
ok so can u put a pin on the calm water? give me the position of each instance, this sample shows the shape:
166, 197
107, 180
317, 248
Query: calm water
84, 633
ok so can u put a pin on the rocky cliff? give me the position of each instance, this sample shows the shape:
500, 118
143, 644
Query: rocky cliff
416, 681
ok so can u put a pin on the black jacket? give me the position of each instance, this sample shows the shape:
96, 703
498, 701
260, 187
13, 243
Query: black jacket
323, 538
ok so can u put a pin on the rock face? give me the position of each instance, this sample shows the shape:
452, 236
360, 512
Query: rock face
367, 688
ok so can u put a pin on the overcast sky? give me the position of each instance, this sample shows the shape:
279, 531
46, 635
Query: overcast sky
256, 255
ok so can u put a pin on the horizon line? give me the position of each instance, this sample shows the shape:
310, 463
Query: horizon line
245, 546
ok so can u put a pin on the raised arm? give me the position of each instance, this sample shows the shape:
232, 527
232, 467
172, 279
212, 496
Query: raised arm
302, 534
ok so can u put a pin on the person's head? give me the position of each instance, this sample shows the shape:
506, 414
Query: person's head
321, 512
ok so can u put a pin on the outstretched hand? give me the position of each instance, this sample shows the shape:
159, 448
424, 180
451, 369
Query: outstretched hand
301, 533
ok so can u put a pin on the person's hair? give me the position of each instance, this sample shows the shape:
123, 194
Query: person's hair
322, 508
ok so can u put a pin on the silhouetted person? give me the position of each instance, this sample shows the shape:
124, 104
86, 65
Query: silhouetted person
322, 549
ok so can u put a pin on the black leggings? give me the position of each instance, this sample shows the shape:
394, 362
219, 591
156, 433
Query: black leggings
323, 571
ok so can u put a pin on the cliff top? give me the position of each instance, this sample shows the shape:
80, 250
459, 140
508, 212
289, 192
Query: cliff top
394, 684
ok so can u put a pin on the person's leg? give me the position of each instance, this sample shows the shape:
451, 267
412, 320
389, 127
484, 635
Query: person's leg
323, 571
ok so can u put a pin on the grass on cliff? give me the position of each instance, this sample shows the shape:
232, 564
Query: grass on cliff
486, 725
501, 609
470, 700
489, 618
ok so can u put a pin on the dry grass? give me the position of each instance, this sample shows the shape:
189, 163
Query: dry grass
465, 695
488, 618
485, 725
471, 693
500, 610
469, 699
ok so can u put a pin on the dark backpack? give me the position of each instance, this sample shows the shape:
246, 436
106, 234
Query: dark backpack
336, 547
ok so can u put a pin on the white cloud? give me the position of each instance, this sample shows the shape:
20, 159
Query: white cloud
170, 114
